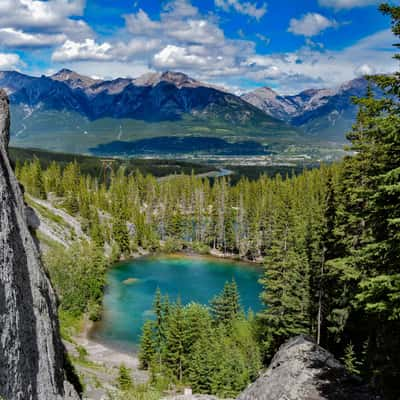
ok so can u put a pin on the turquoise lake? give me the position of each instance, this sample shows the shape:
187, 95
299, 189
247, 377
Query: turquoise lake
131, 287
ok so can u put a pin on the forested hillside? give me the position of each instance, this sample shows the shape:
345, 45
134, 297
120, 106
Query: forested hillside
328, 238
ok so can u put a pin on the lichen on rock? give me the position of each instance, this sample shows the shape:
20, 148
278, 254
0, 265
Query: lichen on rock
32, 356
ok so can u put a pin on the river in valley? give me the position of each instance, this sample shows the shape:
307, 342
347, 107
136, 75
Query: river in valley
131, 287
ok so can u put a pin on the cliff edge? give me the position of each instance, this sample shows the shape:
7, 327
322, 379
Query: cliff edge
32, 356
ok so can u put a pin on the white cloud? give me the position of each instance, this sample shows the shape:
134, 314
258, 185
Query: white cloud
140, 22
310, 24
86, 50
9, 61
184, 39
243, 7
180, 9
135, 47
111, 69
38, 13
27, 23
313, 67
196, 31
10, 37
364, 69
347, 4
174, 56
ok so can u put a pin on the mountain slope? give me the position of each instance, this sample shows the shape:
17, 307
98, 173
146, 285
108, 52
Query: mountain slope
71, 112
324, 113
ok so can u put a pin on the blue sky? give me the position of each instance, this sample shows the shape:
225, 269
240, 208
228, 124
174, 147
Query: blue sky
289, 45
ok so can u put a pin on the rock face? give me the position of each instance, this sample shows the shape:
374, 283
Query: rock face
153, 97
302, 370
326, 113
32, 356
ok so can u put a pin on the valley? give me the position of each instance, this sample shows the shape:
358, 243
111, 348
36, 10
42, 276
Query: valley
171, 114
200, 200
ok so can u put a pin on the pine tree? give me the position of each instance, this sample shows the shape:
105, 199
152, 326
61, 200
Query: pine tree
121, 235
96, 232
37, 188
175, 341
350, 361
124, 378
366, 277
159, 325
147, 345
285, 281
202, 364
225, 307
70, 181
53, 180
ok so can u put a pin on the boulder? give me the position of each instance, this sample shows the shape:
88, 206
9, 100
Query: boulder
302, 370
32, 356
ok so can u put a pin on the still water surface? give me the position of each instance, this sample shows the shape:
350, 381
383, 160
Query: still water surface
131, 287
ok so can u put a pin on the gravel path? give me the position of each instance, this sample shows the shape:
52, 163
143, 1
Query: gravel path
100, 354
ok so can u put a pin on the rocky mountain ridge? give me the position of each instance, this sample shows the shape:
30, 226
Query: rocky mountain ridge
69, 112
151, 97
326, 112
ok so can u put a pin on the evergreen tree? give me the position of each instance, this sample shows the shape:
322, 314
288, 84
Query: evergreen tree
159, 325
147, 345
70, 181
202, 363
286, 282
350, 361
37, 187
366, 277
53, 180
96, 231
225, 307
124, 379
121, 235
175, 341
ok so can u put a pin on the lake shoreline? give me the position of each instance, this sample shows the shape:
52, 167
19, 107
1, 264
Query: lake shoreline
131, 285
188, 252
101, 352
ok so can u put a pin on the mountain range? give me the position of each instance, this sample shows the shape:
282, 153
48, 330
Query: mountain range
323, 113
75, 113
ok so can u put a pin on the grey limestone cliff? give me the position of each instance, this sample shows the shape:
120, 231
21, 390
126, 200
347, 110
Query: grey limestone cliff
32, 356
302, 370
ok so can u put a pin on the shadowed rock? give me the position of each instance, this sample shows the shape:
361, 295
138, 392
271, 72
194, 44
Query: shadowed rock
32, 356
302, 370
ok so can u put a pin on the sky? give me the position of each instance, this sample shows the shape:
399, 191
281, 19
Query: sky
289, 45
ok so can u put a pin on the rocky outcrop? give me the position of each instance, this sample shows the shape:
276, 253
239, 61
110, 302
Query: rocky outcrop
302, 370
32, 356
325, 113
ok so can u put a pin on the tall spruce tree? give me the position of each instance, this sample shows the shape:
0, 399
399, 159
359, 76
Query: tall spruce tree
175, 341
225, 307
147, 351
285, 281
367, 276
159, 325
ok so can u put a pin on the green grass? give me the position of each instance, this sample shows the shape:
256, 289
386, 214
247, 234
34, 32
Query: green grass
70, 325
48, 242
46, 213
